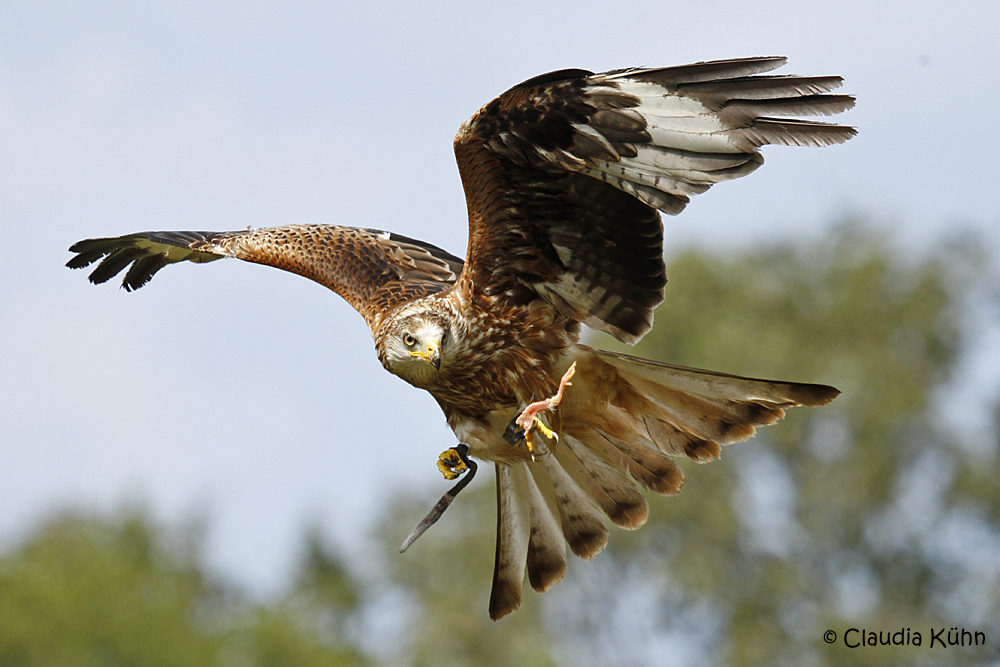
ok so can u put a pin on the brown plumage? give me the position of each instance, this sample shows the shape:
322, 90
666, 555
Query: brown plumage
564, 176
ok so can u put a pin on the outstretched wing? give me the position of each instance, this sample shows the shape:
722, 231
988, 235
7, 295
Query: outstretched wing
564, 174
374, 271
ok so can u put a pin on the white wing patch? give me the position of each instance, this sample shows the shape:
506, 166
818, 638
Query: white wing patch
700, 137
676, 121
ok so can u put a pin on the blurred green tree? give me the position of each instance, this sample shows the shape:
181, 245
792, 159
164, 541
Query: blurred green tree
122, 592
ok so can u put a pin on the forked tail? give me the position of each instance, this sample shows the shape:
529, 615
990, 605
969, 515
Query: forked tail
620, 424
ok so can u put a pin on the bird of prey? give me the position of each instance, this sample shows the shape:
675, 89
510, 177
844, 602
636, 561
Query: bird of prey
564, 177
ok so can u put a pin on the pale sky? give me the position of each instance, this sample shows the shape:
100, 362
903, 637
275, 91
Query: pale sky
254, 396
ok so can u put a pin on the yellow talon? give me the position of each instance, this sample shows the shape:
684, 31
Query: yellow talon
529, 435
529, 442
546, 431
451, 464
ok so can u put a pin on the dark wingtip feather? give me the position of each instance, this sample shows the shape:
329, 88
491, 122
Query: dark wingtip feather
87, 245
710, 70
89, 251
85, 258
551, 77
147, 252
793, 132
142, 271
113, 264
805, 105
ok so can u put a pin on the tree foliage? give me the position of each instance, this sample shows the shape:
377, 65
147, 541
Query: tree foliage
99, 592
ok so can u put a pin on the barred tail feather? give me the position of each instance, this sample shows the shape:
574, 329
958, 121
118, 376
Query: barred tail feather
512, 542
546, 558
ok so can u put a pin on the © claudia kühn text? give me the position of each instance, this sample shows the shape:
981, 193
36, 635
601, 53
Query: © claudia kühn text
943, 637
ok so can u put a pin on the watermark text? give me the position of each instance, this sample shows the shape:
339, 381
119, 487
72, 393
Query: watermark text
933, 638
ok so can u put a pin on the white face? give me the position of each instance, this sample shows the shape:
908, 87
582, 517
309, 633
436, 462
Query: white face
415, 349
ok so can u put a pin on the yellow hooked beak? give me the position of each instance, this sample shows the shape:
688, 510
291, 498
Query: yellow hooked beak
431, 355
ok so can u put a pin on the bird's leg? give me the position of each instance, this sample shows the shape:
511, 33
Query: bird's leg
528, 419
452, 463
529, 416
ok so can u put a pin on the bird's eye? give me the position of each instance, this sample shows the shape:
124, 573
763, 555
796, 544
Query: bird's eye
408, 340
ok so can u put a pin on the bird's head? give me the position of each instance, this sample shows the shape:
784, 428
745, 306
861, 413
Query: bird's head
415, 346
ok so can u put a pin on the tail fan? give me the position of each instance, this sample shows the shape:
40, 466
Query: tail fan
623, 420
